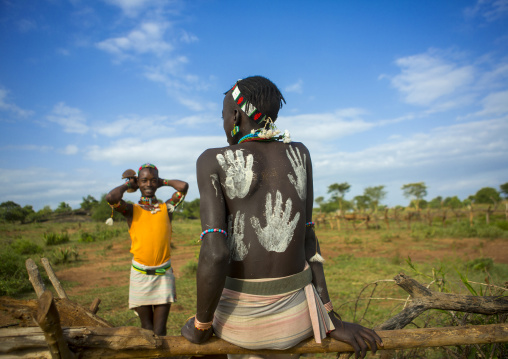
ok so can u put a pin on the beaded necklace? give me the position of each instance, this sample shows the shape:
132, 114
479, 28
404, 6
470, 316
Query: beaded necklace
150, 203
265, 136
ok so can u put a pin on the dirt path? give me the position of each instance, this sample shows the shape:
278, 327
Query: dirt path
101, 268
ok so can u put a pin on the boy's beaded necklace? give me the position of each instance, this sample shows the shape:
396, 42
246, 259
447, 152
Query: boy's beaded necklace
150, 203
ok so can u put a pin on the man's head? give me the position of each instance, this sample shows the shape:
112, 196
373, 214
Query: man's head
261, 93
148, 178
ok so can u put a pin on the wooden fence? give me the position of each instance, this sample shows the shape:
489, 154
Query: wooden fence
98, 338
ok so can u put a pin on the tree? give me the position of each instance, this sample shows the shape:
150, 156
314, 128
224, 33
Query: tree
12, 212
453, 202
487, 195
362, 202
188, 210
89, 202
376, 194
102, 211
416, 191
63, 207
338, 191
504, 189
436, 203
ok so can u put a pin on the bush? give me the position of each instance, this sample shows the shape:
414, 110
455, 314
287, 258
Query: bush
65, 255
481, 264
101, 235
24, 246
51, 239
13, 276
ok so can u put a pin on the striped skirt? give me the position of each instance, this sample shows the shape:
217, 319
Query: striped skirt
276, 321
151, 289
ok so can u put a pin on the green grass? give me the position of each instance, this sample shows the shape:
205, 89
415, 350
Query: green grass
359, 268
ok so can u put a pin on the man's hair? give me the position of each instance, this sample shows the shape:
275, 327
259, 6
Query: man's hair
263, 94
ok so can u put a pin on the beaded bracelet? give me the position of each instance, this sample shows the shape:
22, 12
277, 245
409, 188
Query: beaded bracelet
202, 326
116, 205
128, 182
165, 182
309, 224
212, 230
329, 306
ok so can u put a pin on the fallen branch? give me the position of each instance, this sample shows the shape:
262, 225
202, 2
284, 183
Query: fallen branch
133, 342
424, 299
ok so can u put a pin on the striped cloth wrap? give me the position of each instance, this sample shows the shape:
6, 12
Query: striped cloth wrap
272, 313
151, 289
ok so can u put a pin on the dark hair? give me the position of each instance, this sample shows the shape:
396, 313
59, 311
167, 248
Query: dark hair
263, 94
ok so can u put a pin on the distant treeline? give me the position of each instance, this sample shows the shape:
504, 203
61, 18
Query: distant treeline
371, 199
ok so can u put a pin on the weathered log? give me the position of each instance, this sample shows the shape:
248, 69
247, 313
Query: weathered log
49, 321
133, 342
35, 277
53, 278
424, 299
94, 307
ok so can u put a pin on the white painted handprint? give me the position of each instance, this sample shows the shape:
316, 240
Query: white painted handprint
215, 179
237, 248
238, 172
299, 167
277, 234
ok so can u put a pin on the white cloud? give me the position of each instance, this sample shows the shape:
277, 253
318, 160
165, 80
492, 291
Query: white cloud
5, 105
296, 87
25, 25
170, 151
188, 38
490, 10
71, 119
495, 104
147, 38
135, 125
70, 150
325, 126
130, 7
426, 78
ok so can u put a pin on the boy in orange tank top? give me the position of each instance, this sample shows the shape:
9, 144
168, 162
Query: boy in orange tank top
152, 283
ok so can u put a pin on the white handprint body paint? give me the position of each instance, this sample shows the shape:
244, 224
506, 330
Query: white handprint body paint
299, 166
279, 230
215, 179
238, 172
237, 248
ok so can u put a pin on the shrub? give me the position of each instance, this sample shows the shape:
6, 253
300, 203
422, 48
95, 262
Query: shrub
24, 246
481, 264
65, 255
13, 276
52, 239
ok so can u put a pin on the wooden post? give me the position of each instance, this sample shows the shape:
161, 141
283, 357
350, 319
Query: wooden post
471, 215
53, 278
49, 321
94, 307
35, 277
386, 219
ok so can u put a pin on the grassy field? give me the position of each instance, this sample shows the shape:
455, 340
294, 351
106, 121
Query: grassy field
92, 260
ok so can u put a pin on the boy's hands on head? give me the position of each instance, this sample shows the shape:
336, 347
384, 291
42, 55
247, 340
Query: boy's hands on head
133, 180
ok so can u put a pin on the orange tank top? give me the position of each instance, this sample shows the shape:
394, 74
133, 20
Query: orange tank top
150, 235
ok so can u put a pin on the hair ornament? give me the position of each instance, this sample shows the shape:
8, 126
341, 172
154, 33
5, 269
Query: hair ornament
246, 106
147, 165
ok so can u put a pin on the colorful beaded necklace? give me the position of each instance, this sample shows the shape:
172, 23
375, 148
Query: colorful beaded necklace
150, 203
264, 135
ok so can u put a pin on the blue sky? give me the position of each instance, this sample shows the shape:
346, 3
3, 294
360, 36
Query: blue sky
381, 92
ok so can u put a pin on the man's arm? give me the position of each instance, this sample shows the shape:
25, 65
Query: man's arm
214, 253
114, 198
351, 333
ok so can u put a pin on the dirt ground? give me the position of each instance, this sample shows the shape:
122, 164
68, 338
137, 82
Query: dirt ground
363, 243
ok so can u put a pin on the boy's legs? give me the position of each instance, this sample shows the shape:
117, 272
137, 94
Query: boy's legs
154, 317
160, 318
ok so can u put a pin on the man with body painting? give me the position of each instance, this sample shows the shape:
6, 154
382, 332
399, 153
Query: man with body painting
152, 283
260, 279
